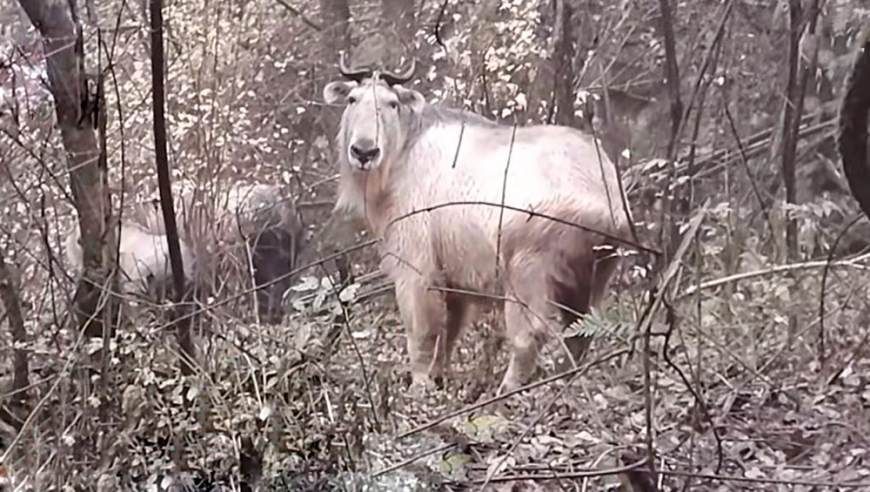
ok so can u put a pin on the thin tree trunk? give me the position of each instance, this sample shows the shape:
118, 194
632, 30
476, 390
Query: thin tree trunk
672, 74
336, 16
399, 15
63, 45
563, 66
671, 232
791, 113
852, 140
12, 304
163, 182
797, 82
672, 80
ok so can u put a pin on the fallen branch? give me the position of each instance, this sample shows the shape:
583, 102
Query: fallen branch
568, 475
638, 466
777, 269
779, 481
412, 459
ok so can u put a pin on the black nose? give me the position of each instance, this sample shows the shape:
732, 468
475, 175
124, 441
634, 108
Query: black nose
365, 153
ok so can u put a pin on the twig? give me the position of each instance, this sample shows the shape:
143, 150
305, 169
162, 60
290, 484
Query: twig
412, 459
777, 269
745, 161
530, 213
345, 322
658, 298
758, 143
66, 366
298, 13
672, 321
438, 25
507, 167
569, 475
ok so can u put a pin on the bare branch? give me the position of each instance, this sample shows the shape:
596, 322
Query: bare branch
298, 13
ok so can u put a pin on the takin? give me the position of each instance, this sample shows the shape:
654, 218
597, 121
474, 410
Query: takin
252, 228
143, 260
430, 182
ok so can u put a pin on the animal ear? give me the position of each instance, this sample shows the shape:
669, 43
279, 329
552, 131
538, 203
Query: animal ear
336, 92
410, 98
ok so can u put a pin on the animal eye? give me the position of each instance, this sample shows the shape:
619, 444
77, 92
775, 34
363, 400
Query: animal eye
351, 100
394, 105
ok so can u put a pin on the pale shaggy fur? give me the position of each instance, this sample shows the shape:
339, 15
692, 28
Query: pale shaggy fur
242, 235
551, 170
243, 208
143, 259
246, 209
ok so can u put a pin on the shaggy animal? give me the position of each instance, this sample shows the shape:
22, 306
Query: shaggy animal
417, 174
143, 259
274, 236
255, 220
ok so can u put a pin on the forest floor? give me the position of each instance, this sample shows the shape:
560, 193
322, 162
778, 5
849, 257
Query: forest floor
737, 402
326, 405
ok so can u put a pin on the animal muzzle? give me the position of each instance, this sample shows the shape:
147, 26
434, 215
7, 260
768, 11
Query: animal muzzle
365, 152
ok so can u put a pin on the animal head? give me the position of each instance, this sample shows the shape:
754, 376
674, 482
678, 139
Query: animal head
274, 253
377, 115
268, 221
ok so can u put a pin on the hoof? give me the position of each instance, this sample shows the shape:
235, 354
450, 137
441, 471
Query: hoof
422, 382
507, 385
421, 387
513, 381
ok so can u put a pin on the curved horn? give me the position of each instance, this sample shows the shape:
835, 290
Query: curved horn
400, 78
355, 75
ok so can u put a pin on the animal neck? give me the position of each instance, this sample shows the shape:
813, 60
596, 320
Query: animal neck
369, 196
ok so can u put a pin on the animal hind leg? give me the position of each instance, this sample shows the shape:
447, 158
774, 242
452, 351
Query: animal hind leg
575, 294
606, 262
591, 275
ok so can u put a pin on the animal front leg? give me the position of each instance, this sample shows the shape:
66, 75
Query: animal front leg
525, 319
423, 312
521, 331
458, 310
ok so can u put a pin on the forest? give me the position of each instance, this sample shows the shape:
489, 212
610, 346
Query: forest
188, 302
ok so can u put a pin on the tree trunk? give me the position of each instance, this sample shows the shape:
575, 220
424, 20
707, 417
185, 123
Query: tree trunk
675, 207
163, 182
336, 16
672, 74
12, 304
399, 15
58, 25
797, 83
852, 141
789, 147
563, 65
